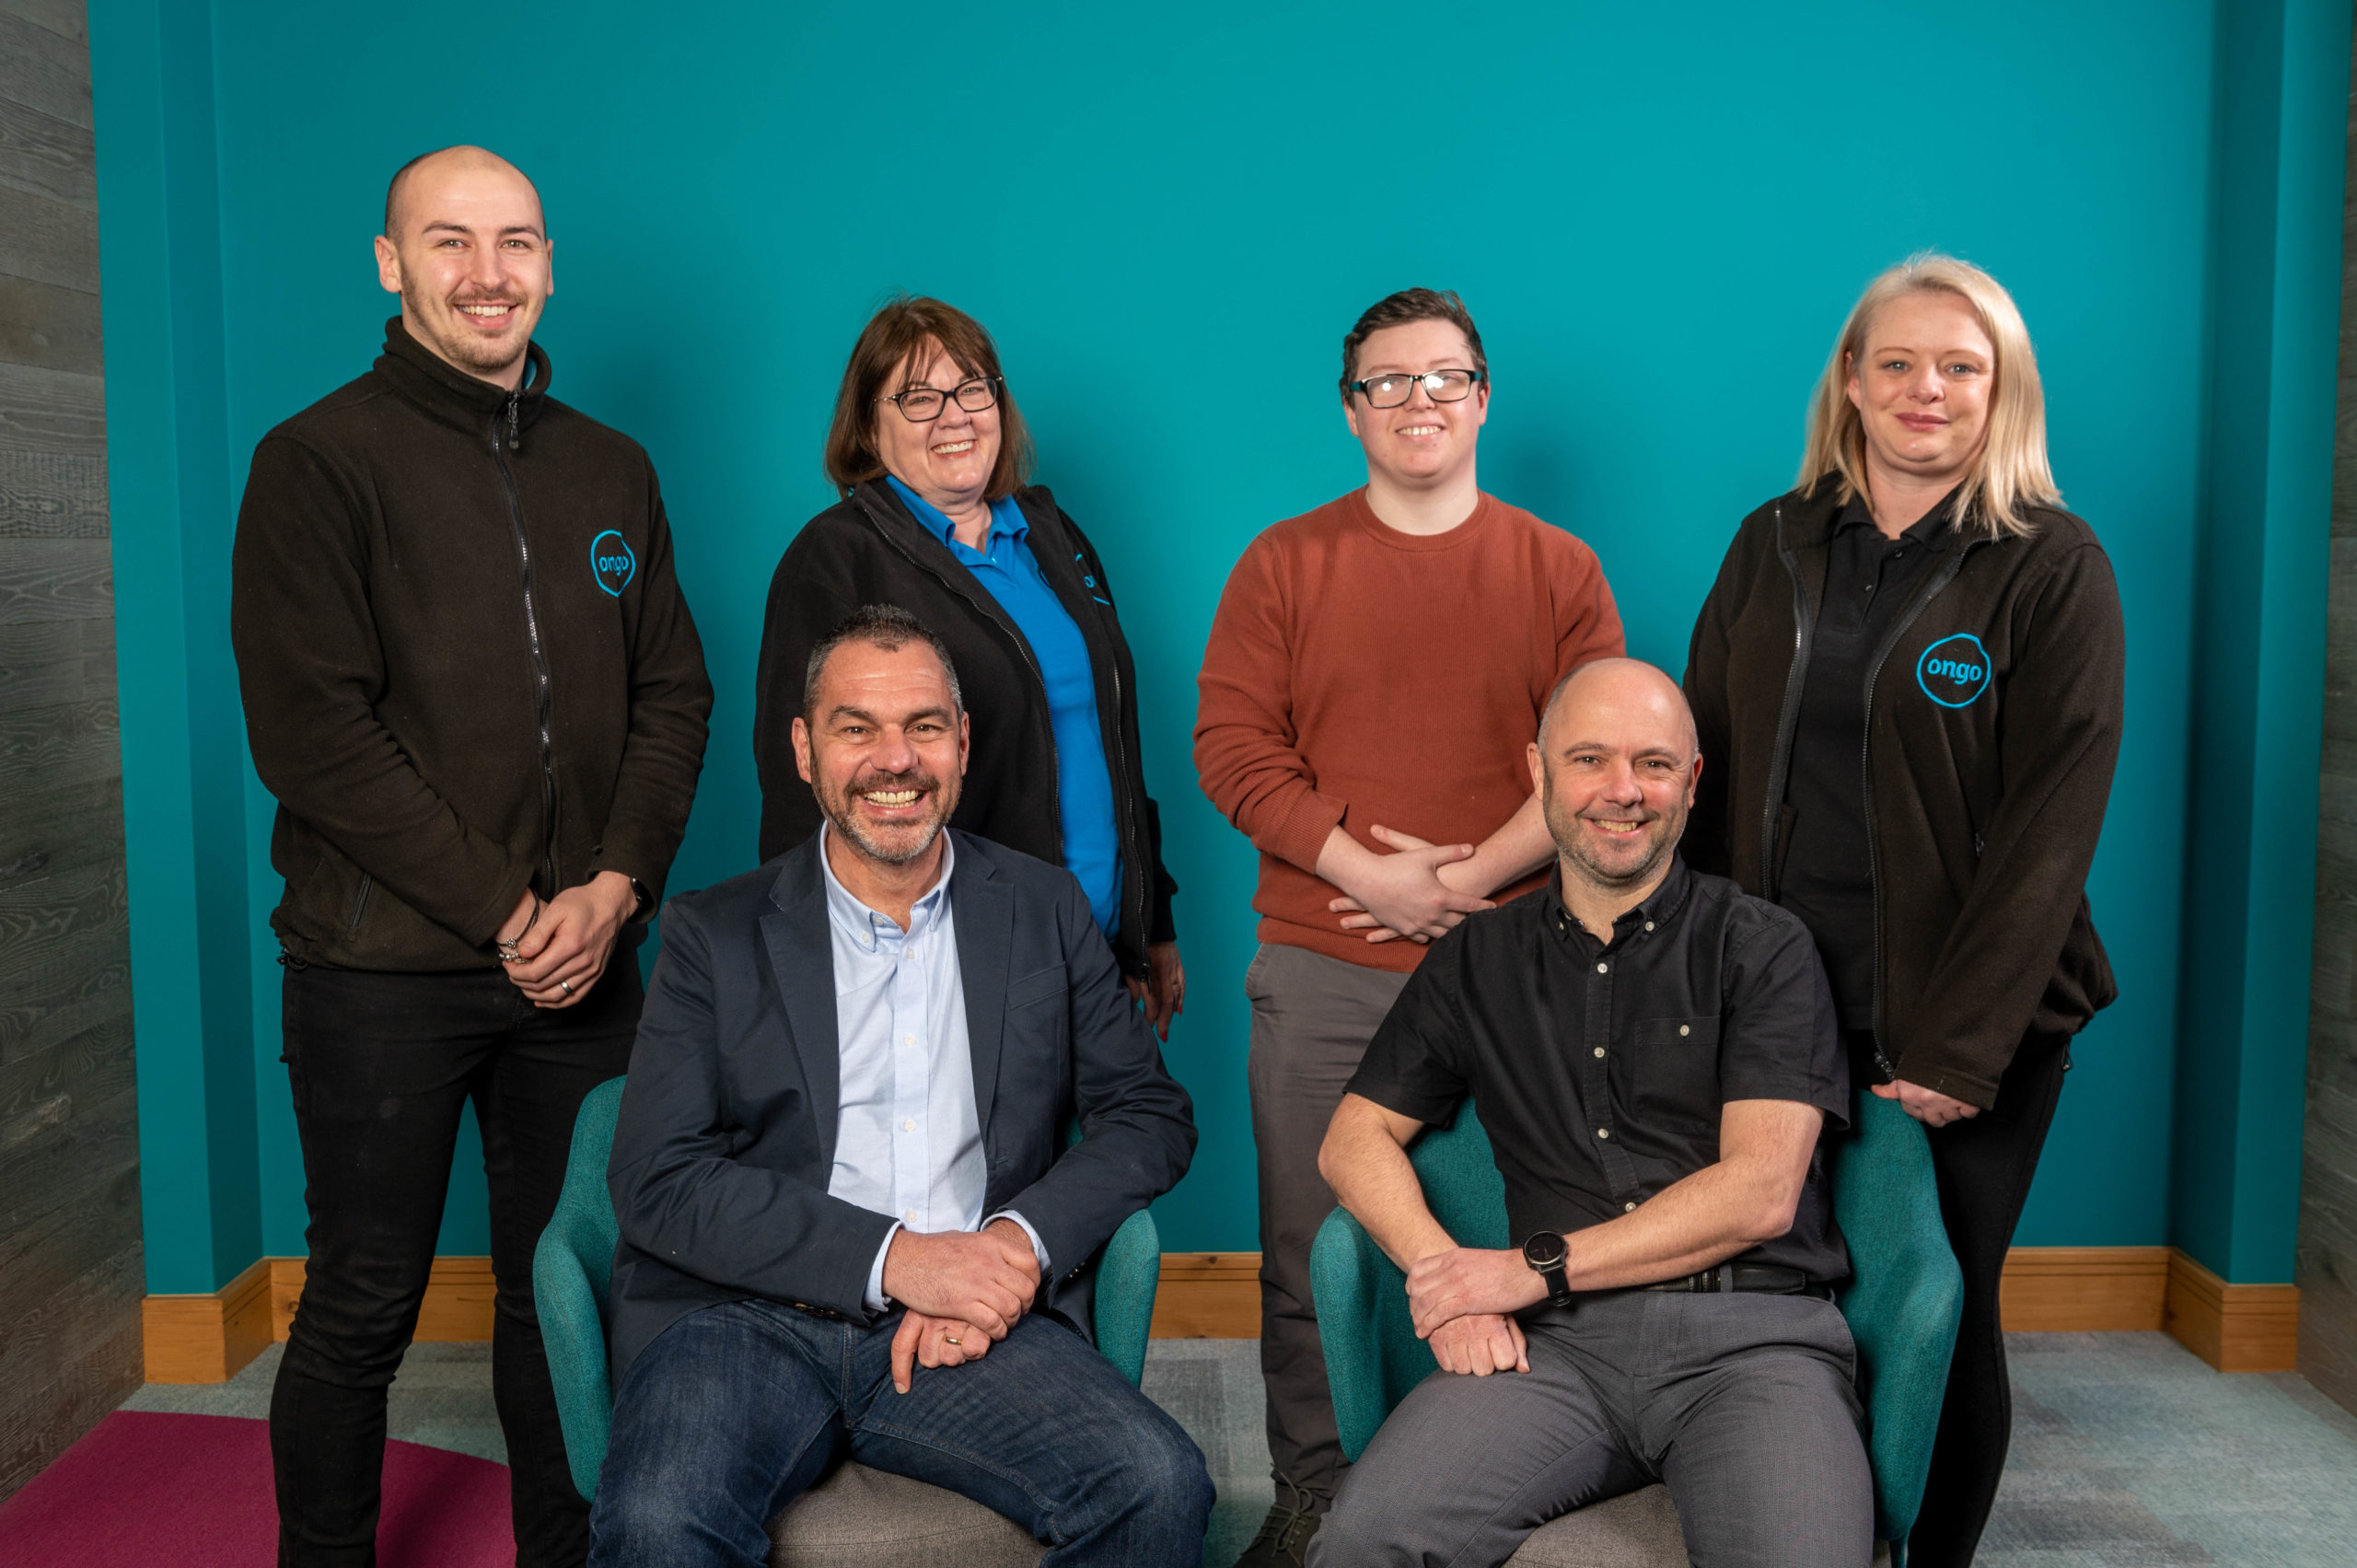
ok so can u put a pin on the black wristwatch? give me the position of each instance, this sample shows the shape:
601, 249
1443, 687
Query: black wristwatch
1545, 1253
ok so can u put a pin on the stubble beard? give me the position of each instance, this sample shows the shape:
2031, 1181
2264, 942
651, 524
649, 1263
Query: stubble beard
1571, 843
839, 812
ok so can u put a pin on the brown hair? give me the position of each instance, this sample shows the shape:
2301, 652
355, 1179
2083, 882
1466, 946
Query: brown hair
1397, 310
893, 344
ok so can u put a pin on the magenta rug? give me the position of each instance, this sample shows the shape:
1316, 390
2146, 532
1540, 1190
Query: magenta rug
194, 1491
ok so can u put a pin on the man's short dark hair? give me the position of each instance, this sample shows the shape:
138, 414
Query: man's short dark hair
886, 626
1397, 310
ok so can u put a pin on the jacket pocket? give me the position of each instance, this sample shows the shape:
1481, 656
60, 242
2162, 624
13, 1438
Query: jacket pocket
1038, 986
1676, 1074
360, 904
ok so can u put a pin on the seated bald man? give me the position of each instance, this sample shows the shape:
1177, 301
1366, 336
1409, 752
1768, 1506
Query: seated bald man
1655, 1056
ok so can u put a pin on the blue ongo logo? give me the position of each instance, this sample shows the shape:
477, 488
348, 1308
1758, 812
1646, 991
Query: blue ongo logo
610, 558
1953, 671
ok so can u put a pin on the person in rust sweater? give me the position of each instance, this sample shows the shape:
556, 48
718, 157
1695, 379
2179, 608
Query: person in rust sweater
1375, 674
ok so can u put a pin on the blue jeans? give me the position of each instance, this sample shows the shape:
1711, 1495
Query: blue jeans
735, 1410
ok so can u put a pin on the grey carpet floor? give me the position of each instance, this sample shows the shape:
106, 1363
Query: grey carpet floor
2128, 1451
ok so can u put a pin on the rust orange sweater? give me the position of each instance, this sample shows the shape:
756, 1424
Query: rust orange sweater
1358, 675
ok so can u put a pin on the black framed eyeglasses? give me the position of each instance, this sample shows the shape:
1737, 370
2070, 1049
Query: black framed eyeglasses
922, 405
1391, 389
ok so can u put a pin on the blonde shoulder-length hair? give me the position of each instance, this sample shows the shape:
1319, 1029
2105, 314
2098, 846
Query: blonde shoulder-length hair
2011, 473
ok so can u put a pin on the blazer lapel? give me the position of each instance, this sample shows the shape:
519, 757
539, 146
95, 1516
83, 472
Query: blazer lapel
802, 963
983, 908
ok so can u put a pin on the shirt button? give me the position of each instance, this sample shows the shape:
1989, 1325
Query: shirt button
1604, 969
1604, 1132
1649, 925
909, 1126
1627, 1208
911, 1216
907, 1039
1599, 1050
1684, 1031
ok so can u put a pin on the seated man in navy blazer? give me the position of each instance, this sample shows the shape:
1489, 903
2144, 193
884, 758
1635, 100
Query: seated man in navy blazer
849, 1220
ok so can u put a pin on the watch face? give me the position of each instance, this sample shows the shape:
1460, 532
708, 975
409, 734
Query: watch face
1543, 1250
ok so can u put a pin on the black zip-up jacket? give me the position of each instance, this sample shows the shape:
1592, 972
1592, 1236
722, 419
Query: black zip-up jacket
1992, 725
868, 550
465, 664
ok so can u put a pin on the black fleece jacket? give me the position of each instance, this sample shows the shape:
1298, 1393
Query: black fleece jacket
1992, 726
867, 550
467, 666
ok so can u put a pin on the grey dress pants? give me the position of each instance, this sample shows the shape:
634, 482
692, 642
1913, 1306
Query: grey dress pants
1744, 1404
1312, 1017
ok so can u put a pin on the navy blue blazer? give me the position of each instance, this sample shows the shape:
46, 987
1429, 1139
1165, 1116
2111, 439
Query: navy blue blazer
726, 1135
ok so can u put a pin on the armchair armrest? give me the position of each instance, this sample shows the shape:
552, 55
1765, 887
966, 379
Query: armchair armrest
575, 1335
1128, 1273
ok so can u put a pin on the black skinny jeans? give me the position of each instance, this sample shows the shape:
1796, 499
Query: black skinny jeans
1983, 1165
381, 1065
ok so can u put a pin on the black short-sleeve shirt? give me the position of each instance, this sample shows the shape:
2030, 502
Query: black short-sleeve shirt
1599, 1070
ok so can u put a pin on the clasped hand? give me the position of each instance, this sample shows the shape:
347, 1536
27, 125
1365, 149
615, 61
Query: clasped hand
562, 951
1462, 1301
964, 1285
1407, 892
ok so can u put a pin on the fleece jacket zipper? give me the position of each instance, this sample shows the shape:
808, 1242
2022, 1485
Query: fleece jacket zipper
532, 631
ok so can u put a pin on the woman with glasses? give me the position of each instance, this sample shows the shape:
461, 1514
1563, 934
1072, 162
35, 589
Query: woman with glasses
932, 455
1907, 683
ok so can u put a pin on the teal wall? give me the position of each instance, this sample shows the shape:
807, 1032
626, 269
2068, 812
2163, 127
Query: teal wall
1169, 225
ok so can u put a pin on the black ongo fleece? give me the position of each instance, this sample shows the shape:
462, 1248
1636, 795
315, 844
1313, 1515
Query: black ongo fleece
1993, 722
465, 664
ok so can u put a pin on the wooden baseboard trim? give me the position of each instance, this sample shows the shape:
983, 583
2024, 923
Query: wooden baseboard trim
1217, 1295
1208, 1295
2049, 1289
2077, 1289
2234, 1328
208, 1338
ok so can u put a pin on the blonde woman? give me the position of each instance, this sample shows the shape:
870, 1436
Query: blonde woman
1908, 684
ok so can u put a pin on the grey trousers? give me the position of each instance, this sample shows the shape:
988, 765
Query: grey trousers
1312, 1017
1743, 1404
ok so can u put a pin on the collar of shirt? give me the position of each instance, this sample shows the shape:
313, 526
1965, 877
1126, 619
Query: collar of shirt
1659, 907
1925, 529
1007, 522
868, 929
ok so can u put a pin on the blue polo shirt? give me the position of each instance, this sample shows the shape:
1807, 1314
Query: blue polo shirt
1083, 783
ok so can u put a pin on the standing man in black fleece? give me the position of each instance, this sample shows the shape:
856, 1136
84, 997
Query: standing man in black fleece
471, 683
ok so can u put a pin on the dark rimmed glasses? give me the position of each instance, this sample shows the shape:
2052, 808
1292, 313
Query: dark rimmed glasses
1397, 387
922, 405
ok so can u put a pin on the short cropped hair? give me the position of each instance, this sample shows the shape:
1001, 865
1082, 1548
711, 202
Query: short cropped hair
886, 626
1397, 310
2011, 472
892, 345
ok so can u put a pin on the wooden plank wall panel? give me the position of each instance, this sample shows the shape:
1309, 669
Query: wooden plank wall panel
2325, 1261
71, 1262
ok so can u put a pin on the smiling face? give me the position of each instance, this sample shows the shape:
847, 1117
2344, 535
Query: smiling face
1615, 765
947, 461
1922, 385
466, 248
1420, 444
884, 748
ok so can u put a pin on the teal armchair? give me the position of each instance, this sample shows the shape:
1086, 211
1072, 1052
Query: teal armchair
575, 1262
1902, 1304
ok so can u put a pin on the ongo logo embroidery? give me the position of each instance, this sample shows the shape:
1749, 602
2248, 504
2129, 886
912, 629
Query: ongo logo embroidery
610, 557
1953, 671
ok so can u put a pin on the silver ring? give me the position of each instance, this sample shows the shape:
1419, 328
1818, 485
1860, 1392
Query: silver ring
565, 986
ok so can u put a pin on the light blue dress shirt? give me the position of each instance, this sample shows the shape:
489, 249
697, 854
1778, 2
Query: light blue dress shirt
907, 1138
